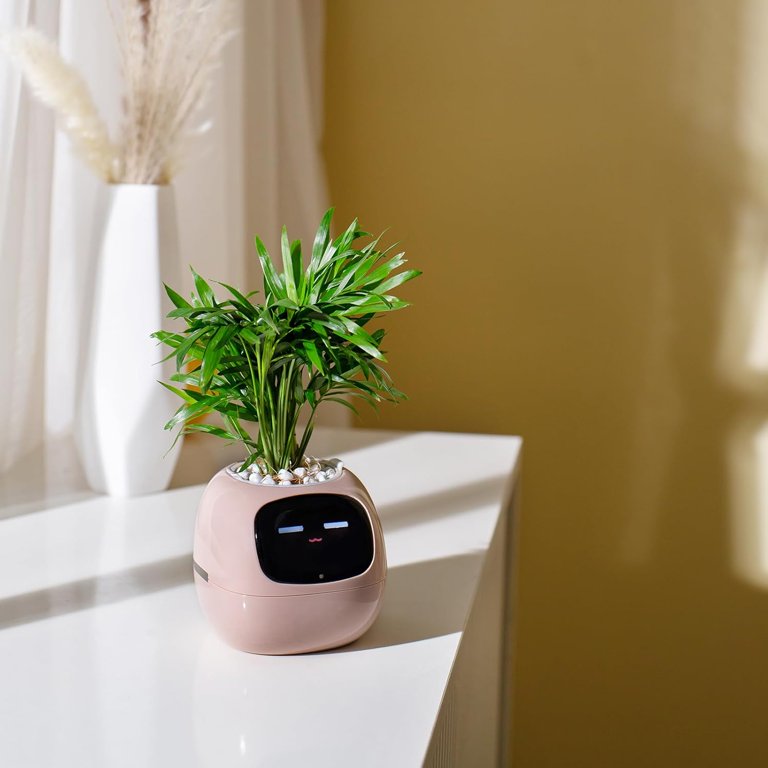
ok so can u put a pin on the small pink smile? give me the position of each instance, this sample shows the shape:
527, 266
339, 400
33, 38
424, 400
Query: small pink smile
314, 541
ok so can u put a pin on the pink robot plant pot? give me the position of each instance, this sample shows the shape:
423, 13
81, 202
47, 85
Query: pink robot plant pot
288, 569
288, 550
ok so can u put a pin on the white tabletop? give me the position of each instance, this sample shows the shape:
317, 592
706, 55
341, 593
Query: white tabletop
105, 659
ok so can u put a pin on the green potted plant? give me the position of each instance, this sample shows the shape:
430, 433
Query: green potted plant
280, 524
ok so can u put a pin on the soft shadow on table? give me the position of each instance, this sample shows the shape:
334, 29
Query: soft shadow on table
451, 501
422, 600
92, 592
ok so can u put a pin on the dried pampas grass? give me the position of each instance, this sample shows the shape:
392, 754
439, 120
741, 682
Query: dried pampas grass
61, 87
169, 50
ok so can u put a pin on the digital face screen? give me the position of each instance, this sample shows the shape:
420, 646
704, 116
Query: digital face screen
313, 538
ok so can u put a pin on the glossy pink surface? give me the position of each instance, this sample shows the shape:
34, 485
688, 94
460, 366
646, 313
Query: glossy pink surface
289, 624
255, 614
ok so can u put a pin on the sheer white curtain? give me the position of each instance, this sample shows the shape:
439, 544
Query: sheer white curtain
258, 167
285, 183
25, 174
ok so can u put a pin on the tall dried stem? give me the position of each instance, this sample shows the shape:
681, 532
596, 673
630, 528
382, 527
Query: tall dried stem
169, 51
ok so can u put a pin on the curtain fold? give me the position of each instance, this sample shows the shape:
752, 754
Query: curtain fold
26, 150
285, 176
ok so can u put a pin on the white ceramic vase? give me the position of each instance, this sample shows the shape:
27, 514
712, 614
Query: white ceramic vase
119, 428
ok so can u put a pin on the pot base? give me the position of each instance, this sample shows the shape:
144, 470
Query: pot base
289, 624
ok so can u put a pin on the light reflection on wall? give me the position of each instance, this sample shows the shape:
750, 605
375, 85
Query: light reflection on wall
743, 353
743, 366
748, 476
757, 348
743, 359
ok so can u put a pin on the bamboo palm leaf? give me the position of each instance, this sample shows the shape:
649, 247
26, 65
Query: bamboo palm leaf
305, 344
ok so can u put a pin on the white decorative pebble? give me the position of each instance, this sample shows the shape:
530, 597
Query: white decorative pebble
312, 471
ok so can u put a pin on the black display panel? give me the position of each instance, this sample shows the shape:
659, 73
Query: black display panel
313, 538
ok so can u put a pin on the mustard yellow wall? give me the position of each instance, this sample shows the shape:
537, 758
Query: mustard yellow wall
583, 185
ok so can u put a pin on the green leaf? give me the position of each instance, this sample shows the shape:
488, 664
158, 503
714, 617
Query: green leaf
321, 238
190, 411
272, 285
210, 429
242, 301
318, 329
184, 349
343, 402
177, 300
361, 341
290, 277
393, 282
298, 271
168, 338
311, 351
213, 352
249, 336
203, 290
183, 394
287, 304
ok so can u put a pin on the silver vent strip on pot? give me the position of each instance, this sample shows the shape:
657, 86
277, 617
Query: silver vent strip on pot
200, 571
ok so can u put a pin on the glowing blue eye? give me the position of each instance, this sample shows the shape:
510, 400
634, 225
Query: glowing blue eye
291, 529
337, 524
